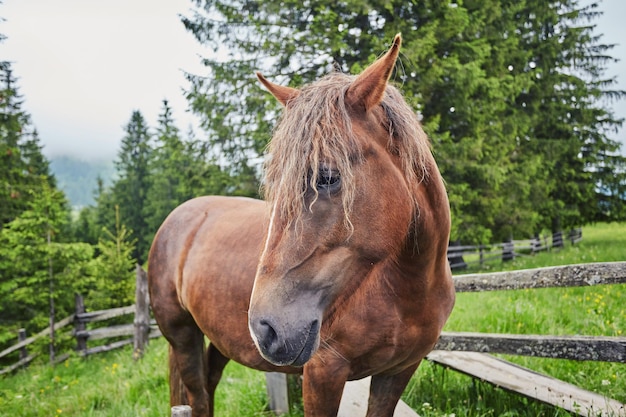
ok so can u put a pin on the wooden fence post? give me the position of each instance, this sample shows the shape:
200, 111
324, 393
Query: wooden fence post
278, 392
535, 244
557, 239
575, 235
181, 411
508, 251
283, 391
456, 257
21, 336
142, 313
79, 324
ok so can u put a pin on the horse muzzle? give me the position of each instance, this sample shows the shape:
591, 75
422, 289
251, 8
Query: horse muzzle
286, 340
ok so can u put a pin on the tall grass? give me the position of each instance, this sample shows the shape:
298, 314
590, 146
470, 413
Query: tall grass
112, 384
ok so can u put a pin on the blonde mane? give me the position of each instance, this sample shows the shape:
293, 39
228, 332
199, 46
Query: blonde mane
315, 129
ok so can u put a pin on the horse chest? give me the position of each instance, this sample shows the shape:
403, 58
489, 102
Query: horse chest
379, 340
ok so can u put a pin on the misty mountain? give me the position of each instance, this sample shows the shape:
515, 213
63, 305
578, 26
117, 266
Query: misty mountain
78, 178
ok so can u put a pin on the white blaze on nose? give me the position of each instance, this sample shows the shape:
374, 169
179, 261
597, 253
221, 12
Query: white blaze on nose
267, 240
269, 230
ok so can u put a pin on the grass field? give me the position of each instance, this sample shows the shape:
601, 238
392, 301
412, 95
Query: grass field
113, 384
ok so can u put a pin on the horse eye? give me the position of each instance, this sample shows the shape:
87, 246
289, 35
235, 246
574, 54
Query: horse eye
328, 180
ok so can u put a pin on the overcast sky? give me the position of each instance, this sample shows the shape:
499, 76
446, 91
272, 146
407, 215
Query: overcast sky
85, 65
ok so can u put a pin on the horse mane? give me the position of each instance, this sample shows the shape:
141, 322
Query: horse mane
315, 128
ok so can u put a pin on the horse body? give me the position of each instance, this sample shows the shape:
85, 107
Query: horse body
206, 237
343, 277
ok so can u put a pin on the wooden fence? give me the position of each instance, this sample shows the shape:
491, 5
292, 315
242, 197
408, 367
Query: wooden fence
461, 256
140, 330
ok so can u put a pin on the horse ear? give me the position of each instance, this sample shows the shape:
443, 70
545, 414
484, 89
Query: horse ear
282, 94
368, 89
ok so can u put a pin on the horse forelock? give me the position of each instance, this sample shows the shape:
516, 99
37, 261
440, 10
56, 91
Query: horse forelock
315, 130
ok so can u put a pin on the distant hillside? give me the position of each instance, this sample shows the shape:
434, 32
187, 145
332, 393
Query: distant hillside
78, 178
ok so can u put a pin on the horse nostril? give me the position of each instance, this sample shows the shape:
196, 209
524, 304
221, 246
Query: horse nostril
266, 334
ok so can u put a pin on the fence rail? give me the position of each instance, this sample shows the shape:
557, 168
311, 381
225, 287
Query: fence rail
507, 251
580, 348
141, 330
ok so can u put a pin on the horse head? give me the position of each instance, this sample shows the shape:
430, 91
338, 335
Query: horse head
344, 164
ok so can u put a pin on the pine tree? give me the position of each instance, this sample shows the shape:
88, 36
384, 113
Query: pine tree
129, 192
113, 268
167, 167
449, 76
484, 76
23, 168
565, 104
39, 273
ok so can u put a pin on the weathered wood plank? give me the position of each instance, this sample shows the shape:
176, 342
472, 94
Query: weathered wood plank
107, 332
529, 383
141, 321
22, 362
277, 392
100, 315
105, 348
60, 324
583, 348
559, 276
181, 411
114, 331
354, 401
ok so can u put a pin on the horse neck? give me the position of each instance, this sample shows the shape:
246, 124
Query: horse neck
426, 244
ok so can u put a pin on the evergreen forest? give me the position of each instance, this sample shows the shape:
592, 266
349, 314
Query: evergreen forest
512, 93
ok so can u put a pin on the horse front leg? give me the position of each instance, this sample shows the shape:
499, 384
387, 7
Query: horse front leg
322, 387
386, 390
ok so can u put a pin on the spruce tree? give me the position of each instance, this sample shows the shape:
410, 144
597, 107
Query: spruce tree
39, 272
485, 77
566, 104
129, 191
167, 167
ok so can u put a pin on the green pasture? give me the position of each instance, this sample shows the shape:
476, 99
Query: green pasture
113, 384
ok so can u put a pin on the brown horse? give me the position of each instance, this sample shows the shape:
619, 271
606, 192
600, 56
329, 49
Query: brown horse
342, 273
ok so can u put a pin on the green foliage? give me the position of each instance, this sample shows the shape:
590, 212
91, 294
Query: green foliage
156, 172
113, 270
511, 93
38, 272
178, 171
129, 191
23, 168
